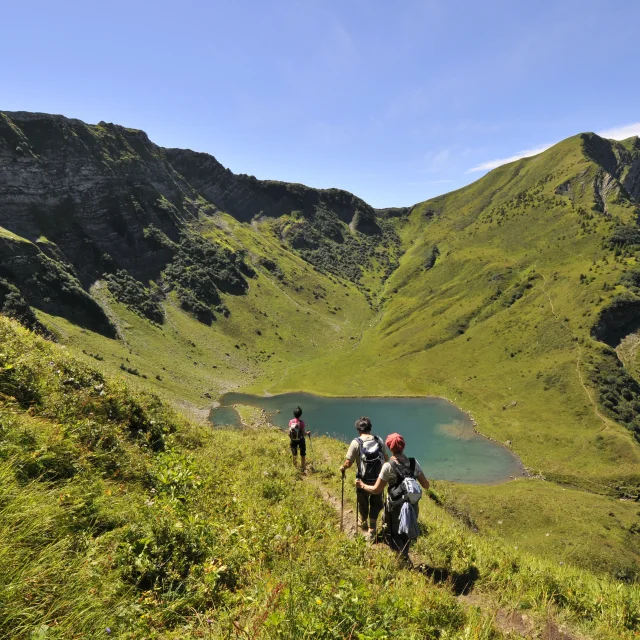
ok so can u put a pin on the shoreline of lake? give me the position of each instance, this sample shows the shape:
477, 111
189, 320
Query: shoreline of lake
423, 430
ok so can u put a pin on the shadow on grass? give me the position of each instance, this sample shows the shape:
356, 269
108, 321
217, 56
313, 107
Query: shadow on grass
461, 583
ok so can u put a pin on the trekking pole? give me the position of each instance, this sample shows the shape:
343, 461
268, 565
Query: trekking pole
311, 452
356, 511
342, 505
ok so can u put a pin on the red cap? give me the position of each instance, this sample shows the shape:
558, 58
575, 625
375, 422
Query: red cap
395, 442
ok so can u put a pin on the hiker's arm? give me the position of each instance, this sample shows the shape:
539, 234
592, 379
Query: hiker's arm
350, 457
422, 479
375, 489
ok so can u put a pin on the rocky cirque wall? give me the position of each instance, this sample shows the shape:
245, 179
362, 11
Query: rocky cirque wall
76, 199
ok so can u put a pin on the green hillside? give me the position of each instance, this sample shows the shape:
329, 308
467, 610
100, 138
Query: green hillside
120, 519
517, 297
502, 321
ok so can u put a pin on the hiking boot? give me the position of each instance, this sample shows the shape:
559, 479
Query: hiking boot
370, 536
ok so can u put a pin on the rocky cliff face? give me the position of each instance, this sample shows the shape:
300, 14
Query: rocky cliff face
79, 200
244, 196
620, 163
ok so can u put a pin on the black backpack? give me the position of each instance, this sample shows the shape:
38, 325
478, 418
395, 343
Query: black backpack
371, 459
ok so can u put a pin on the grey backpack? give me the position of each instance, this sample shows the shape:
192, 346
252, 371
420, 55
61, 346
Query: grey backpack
371, 459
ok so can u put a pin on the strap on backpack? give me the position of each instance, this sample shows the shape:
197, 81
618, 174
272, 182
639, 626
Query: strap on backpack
401, 471
398, 472
360, 446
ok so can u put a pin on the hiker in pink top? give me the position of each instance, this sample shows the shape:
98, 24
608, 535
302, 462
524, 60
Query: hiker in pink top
297, 432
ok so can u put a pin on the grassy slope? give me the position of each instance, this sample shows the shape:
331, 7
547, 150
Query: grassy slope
518, 368
293, 323
119, 519
454, 330
442, 332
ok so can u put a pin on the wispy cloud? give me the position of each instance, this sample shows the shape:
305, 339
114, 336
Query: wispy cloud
621, 133
438, 160
616, 133
492, 164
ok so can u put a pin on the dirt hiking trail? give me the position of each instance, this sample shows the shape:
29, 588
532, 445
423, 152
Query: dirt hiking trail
511, 623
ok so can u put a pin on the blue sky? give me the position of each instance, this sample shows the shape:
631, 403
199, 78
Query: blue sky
394, 101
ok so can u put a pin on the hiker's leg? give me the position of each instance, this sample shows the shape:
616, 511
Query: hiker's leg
303, 454
396, 539
375, 507
363, 508
294, 453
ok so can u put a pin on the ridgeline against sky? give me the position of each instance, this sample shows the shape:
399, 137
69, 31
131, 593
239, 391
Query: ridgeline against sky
393, 102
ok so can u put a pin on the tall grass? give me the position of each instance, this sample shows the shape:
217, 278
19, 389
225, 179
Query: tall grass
118, 519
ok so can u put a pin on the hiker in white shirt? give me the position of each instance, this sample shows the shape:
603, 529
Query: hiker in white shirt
368, 453
393, 473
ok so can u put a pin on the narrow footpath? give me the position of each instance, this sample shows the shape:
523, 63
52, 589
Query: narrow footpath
511, 623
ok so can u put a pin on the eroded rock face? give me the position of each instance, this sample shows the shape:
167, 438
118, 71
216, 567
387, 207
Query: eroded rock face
89, 190
244, 196
78, 200
620, 163
631, 179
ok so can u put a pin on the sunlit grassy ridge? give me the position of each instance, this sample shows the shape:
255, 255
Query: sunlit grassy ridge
120, 519
502, 318
501, 323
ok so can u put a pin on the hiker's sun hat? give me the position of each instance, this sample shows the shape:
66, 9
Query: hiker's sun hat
395, 442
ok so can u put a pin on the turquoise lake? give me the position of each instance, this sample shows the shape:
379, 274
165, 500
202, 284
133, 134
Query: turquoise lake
438, 434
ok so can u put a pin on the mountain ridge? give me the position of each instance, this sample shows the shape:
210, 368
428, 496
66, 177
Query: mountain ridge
488, 296
101, 191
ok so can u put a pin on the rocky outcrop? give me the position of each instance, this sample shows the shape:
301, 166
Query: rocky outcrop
631, 178
90, 191
620, 162
618, 319
79, 200
245, 197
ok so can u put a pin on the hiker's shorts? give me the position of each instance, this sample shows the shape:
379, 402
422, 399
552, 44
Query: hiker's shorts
299, 443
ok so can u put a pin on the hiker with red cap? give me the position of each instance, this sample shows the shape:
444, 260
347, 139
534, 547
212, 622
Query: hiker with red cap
402, 476
367, 452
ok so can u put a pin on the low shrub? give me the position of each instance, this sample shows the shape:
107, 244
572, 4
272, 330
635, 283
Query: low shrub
126, 289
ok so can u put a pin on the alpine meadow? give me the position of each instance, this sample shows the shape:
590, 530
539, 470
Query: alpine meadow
138, 284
